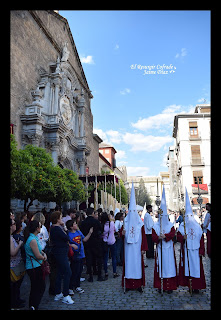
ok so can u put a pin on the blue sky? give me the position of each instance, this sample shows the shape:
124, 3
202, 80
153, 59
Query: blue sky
123, 54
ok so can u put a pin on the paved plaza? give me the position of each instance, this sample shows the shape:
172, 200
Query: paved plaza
109, 295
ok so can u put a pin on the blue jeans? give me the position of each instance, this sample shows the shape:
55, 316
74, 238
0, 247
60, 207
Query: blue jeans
119, 250
63, 272
112, 249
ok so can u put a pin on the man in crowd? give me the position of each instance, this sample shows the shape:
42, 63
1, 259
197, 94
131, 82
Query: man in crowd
93, 247
148, 225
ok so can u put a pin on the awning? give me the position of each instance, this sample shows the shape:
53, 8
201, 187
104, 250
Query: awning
203, 188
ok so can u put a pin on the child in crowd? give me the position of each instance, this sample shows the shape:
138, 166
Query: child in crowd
76, 237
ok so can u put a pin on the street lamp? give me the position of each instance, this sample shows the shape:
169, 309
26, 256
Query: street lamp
157, 197
158, 201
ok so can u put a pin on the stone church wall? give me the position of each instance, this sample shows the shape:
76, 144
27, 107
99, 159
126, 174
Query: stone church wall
37, 41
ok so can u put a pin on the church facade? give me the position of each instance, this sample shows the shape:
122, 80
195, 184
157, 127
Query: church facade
50, 96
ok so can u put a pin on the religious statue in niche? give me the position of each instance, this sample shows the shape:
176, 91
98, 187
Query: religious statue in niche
65, 53
65, 109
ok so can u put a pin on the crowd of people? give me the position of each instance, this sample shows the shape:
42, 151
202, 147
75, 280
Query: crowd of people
66, 241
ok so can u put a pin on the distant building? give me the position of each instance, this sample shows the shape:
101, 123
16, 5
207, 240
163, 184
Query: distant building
191, 156
153, 184
107, 161
108, 152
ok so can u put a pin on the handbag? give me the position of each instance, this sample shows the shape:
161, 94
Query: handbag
16, 273
45, 267
70, 253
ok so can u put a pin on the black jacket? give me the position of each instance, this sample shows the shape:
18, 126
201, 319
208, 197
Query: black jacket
95, 238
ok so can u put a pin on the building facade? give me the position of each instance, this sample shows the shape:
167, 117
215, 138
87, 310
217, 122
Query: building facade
50, 96
192, 155
153, 185
108, 152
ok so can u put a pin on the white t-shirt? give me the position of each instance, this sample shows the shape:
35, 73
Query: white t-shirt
43, 237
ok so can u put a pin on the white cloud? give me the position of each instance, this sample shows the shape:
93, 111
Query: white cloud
181, 54
114, 136
120, 154
137, 141
116, 47
87, 60
101, 134
149, 143
138, 171
125, 91
162, 119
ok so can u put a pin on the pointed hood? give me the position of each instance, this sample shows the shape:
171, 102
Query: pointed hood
132, 222
166, 224
193, 229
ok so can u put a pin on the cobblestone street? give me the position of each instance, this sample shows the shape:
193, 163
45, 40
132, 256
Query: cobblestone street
109, 295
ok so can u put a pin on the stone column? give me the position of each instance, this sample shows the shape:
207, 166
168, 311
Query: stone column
81, 106
82, 123
54, 145
57, 82
76, 125
82, 166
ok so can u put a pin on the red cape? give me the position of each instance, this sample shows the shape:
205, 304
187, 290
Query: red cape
197, 283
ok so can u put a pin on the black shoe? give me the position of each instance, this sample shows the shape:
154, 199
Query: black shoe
140, 289
90, 279
116, 275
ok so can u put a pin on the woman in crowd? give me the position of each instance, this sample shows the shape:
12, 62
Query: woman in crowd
60, 246
34, 258
119, 242
16, 267
109, 243
43, 234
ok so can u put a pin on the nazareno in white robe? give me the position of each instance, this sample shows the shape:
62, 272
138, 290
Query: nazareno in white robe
133, 239
194, 234
133, 269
